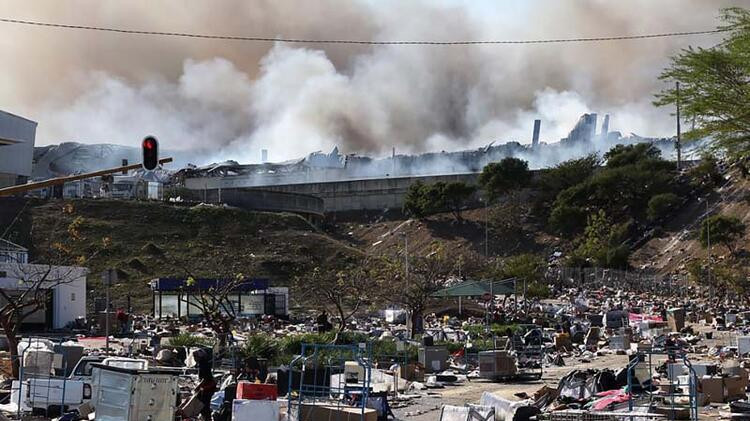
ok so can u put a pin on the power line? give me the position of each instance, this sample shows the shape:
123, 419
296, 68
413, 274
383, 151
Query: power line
359, 42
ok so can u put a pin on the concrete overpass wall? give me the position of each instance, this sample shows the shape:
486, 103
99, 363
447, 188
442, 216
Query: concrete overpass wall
341, 196
263, 200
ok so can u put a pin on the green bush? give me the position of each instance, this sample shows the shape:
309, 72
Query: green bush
190, 340
661, 205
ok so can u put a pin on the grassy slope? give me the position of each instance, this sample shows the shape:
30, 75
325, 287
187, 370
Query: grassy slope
151, 240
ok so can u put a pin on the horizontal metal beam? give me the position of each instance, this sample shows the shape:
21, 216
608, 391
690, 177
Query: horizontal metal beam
62, 180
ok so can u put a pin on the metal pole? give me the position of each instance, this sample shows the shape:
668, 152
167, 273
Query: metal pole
106, 319
108, 277
487, 231
708, 263
678, 145
406, 258
409, 321
525, 301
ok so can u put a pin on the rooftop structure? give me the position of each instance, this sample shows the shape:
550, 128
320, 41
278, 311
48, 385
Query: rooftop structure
17, 136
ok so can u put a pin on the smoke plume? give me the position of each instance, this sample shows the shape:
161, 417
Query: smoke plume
229, 99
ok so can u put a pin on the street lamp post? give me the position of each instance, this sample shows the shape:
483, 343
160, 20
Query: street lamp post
409, 323
708, 262
108, 277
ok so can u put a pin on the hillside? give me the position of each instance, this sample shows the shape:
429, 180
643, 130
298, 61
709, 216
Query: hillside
464, 237
670, 252
151, 240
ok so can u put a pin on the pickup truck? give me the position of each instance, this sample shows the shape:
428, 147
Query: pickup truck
52, 394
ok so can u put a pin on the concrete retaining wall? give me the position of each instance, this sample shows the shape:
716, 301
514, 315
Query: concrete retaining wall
263, 200
341, 196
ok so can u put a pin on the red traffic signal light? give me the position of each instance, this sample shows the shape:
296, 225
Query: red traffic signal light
150, 148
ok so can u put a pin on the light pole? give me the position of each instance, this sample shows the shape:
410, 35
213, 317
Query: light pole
486, 227
409, 323
708, 248
108, 278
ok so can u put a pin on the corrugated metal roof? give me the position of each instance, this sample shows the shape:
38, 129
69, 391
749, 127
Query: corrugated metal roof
478, 288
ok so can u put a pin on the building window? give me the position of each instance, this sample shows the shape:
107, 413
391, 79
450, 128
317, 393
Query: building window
72, 296
3, 274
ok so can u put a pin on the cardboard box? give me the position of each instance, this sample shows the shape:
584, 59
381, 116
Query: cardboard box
412, 373
713, 389
309, 412
735, 386
676, 319
563, 342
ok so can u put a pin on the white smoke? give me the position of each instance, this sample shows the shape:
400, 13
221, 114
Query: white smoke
229, 101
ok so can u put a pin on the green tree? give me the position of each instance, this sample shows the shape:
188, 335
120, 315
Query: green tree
415, 200
456, 196
720, 229
562, 176
623, 155
529, 268
633, 175
662, 205
567, 219
602, 243
706, 174
714, 89
500, 178
428, 199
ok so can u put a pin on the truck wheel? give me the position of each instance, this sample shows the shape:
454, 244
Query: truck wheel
54, 411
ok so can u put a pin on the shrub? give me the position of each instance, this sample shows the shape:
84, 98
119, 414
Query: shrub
662, 205
190, 340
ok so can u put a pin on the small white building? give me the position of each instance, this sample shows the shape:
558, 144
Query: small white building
64, 288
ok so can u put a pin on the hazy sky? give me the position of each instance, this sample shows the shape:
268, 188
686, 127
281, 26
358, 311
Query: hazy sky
238, 97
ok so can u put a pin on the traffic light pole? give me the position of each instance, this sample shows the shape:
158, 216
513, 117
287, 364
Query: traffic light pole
62, 180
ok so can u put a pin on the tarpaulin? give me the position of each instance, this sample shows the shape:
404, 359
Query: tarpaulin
636, 318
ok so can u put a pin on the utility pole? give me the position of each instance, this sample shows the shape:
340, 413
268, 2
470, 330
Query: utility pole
487, 233
409, 323
708, 263
108, 278
678, 145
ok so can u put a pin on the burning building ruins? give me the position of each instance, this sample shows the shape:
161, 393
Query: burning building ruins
354, 182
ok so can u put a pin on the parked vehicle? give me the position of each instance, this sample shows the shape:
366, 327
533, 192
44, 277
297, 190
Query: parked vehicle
53, 394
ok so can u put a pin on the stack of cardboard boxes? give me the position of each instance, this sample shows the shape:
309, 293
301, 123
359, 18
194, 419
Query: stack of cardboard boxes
721, 389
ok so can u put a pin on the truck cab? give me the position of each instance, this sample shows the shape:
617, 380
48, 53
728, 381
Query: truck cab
54, 394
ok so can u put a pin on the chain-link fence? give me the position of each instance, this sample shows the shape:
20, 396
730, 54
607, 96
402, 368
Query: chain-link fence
634, 281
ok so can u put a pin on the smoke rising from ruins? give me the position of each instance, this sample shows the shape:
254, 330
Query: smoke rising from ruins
295, 99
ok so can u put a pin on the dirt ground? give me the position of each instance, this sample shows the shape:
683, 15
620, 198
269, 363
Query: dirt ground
428, 408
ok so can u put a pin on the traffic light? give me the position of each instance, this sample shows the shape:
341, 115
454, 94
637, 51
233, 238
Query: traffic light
150, 148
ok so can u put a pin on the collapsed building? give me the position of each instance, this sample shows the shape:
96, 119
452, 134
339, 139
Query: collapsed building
318, 183
355, 183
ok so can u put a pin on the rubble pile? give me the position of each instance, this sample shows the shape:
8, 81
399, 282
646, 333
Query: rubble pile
606, 351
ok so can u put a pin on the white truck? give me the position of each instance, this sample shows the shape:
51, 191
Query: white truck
52, 395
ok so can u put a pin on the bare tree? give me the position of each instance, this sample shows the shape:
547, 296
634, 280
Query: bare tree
413, 290
33, 282
213, 299
344, 291
211, 291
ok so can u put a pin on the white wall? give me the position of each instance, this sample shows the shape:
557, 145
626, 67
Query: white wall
16, 159
69, 297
